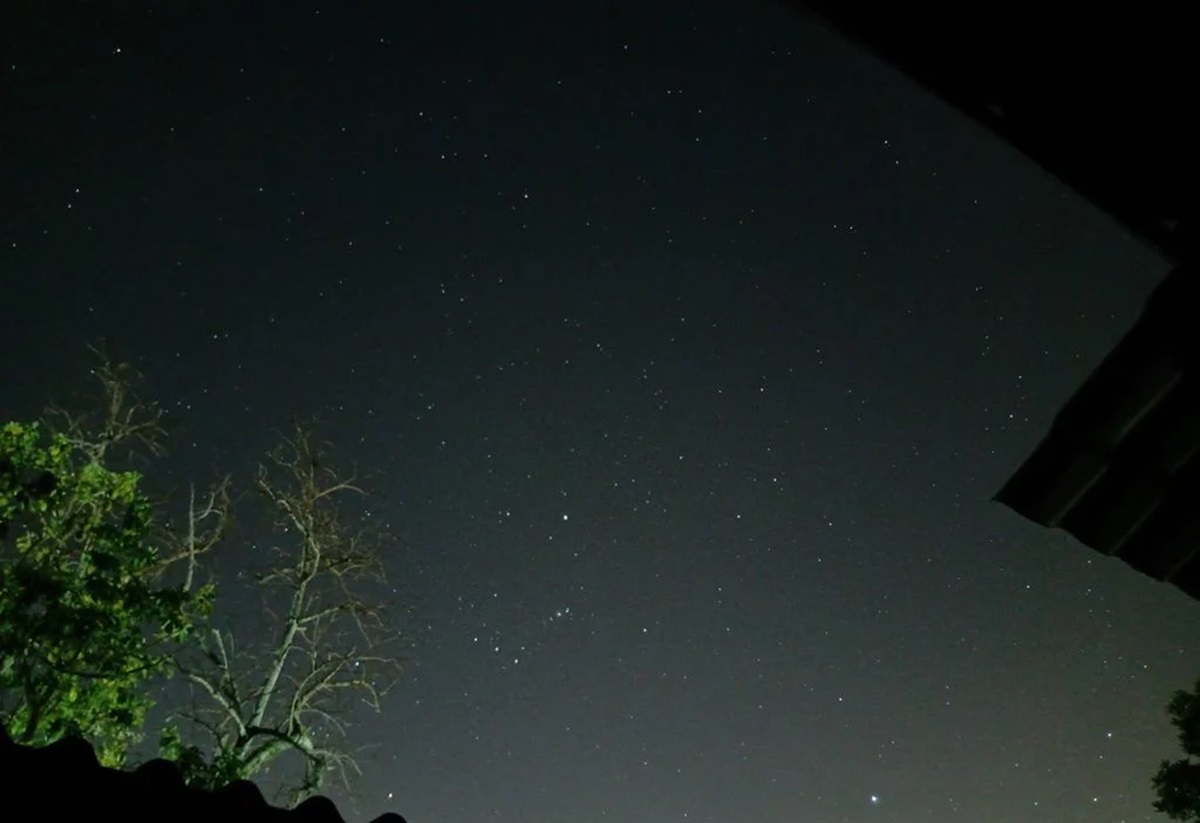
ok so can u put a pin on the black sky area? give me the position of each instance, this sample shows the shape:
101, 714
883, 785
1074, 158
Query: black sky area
682, 345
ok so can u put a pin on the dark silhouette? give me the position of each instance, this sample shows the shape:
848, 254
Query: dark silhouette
1177, 783
153, 792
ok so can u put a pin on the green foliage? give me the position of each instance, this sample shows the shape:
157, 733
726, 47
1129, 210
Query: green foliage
82, 620
87, 626
198, 769
1177, 783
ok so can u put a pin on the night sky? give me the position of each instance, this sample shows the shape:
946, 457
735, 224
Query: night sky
682, 347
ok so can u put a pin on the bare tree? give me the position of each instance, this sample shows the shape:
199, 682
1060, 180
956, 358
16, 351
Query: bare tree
122, 420
330, 644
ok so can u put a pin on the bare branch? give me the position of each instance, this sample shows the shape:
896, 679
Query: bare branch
126, 421
217, 694
330, 638
207, 522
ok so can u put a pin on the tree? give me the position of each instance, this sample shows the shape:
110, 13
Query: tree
85, 618
1177, 783
328, 641
101, 596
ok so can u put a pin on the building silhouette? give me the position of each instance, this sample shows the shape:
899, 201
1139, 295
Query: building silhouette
1099, 100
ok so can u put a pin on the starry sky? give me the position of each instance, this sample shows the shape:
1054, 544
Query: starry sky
682, 346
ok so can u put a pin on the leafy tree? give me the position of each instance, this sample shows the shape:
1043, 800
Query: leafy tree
89, 621
1177, 783
328, 641
85, 620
